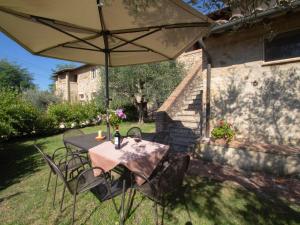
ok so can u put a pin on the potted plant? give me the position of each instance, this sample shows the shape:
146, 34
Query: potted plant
223, 131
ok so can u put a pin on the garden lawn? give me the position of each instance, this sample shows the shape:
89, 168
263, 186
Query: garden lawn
24, 200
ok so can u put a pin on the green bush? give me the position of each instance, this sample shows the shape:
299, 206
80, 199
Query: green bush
68, 114
45, 124
223, 131
17, 116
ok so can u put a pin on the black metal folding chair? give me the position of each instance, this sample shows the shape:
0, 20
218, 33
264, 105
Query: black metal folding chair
70, 134
84, 181
65, 161
165, 180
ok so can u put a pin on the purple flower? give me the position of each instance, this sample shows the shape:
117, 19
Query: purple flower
120, 113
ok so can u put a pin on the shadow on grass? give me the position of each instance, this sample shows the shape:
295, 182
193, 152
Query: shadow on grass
10, 196
17, 160
227, 203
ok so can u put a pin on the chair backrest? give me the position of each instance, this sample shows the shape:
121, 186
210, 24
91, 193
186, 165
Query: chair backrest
53, 167
46, 157
134, 132
171, 178
71, 133
58, 172
167, 178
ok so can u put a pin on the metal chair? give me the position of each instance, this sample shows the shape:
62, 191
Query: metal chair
73, 133
66, 162
134, 132
165, 180
83, 182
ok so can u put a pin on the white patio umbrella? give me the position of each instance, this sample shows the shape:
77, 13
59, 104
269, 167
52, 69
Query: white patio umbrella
108, 32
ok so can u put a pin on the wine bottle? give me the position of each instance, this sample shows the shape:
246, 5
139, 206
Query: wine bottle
117, 139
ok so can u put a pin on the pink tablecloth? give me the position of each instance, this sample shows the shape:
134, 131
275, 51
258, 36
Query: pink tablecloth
141, 157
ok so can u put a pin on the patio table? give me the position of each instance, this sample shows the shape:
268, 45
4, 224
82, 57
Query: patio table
141, 157
85, 142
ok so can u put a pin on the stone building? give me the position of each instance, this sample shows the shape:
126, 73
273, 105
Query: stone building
78, 84
248, 74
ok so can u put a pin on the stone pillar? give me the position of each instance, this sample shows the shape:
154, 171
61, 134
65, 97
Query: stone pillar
68, 87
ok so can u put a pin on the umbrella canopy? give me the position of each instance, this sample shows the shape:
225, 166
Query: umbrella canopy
107, 32
132, 32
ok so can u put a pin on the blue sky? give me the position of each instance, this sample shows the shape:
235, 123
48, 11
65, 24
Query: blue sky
39, 67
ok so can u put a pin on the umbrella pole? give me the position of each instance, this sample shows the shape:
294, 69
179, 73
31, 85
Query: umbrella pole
107, 95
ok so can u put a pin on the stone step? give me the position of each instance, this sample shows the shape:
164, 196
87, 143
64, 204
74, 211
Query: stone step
184, 131
192, 102
195, 88
187, 118
184, 124
192, 97
182, 139
196, 91
182, 148
188, 113
195, 107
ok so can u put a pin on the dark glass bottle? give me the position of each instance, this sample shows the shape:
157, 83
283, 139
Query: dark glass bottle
117, 139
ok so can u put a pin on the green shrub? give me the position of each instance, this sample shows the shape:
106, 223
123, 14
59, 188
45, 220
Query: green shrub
223, 131
45, 124
61, 113
68, 114
17, 116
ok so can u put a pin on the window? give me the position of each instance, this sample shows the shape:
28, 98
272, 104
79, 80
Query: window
73, 78
81, 96
93, 73
283, 46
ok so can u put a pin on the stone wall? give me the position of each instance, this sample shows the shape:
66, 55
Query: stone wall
87, 85
260, 99
61, 86
188, 59
249, 160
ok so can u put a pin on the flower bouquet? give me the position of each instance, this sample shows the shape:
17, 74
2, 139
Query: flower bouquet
116, 117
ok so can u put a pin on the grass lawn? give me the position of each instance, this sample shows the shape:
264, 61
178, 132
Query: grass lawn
23, 199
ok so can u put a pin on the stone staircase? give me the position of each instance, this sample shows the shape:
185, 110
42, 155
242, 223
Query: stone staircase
185, 127
180, 115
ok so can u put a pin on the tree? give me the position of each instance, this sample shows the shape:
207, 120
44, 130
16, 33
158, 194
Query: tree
141, 84
39, 98
63, 66
246, 6
14, 76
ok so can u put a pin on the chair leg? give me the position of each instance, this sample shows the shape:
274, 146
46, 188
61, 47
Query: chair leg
49, 180
62, 198
55, 190
163, 214
163, 210
74, 204
156, 213
122, 204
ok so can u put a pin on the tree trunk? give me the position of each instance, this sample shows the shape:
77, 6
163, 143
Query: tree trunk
140, 110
